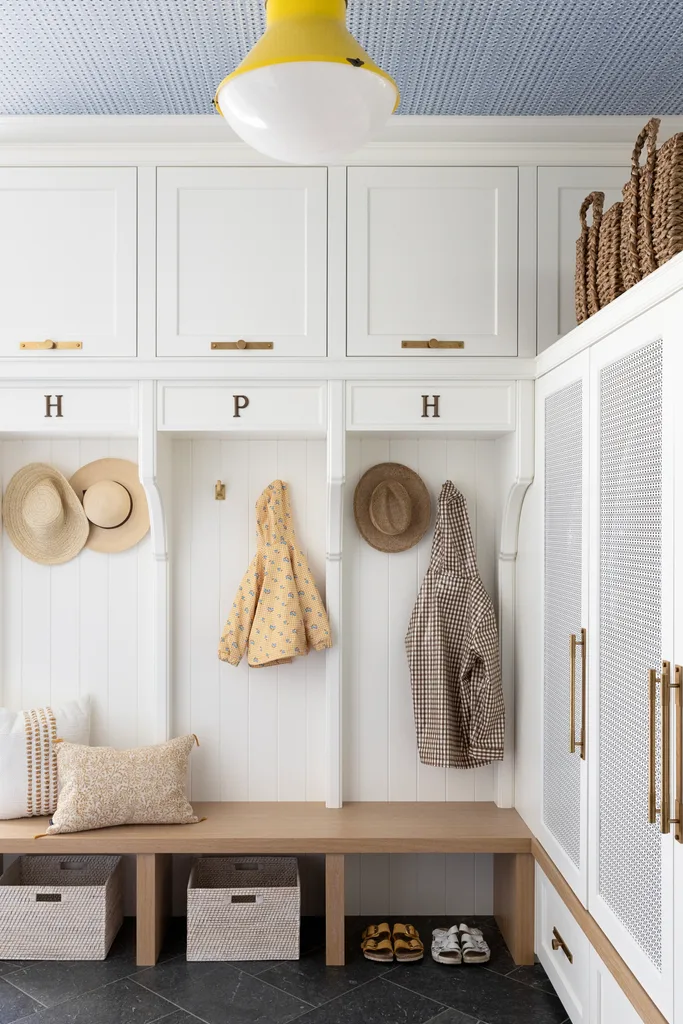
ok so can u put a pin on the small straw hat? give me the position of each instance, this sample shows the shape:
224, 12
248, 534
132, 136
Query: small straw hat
43, 517
392, 507
115, 504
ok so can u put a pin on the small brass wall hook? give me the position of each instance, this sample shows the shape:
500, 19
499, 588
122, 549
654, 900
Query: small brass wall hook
219, 492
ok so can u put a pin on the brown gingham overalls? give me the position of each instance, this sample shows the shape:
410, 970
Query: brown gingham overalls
452, 647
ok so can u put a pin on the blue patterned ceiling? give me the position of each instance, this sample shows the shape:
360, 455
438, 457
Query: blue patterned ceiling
467, 57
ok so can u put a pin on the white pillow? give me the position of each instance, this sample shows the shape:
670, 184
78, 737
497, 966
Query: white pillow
28, 757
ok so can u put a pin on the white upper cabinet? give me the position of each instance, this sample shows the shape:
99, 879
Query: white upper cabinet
432, 253
241, 256
561, 190
68, 261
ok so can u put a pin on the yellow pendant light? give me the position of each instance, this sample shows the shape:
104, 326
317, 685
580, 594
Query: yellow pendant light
307, 92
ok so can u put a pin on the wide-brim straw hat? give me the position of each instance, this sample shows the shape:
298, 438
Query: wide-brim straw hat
115, 504
392, 507
43, 516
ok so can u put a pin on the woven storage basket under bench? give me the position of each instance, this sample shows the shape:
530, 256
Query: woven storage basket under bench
244, 908
60, 908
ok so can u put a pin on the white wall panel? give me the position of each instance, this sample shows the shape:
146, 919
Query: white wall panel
380, 753
261, 730
83, 627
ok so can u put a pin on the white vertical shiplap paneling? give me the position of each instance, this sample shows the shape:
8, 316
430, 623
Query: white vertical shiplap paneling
79, 628
380, 755
262, 730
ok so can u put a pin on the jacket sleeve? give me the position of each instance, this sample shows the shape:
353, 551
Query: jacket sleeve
313, 614
235, 636
487, 710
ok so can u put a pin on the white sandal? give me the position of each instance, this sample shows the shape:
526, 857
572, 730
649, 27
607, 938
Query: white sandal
446, 946
474, 949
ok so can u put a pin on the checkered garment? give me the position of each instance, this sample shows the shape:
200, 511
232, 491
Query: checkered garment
452, 646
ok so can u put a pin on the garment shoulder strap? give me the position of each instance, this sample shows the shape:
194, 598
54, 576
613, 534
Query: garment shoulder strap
453, 547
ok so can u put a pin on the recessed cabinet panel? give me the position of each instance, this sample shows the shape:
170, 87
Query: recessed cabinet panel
561, 190
469, 406
69, 408
68, 261
432, 253
563, 949
244, 406
242, 256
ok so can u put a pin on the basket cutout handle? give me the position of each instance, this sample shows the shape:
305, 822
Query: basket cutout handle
253, 866
649, 134
71, 865
246, 898
48, 897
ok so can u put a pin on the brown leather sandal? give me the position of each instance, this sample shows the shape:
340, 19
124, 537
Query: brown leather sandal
376, 943
407, 944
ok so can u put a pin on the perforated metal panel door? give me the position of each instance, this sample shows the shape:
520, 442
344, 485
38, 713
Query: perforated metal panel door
629, 855
563, 592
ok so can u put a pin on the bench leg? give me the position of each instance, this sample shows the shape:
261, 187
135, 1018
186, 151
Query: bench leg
513, 903
153, 905
334, 910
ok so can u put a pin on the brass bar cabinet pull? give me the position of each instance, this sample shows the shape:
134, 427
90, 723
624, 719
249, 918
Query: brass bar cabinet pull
559, 943
664, 810
241, 345
677, 819
432, 343
573, 742
48, 344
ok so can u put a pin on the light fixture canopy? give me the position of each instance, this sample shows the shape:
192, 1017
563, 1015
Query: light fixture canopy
306, 92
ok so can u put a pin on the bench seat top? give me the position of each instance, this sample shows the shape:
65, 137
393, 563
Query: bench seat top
296, 828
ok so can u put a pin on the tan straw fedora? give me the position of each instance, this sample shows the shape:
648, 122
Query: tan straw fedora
43, 517
115, 504
392, 507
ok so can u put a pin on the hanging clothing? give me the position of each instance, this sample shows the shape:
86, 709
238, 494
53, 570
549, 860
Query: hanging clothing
277, 614
452, 647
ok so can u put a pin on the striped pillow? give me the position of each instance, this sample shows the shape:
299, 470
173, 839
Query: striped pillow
28, 756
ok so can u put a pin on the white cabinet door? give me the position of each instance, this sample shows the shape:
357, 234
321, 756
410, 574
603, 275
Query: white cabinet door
562, 447
432, 253
563, 950
631, 630
608, 1004
677, 702
561, 190
68, 262
242, 255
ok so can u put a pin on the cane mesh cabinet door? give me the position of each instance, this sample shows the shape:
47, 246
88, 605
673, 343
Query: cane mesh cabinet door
562, 445
68, 263
242, 258
432, 254
631, 632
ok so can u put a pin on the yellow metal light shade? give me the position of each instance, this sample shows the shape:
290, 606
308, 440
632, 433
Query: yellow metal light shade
307, 92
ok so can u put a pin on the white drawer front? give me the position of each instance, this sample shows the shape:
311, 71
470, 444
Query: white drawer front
68, 409
469, 406
570, 977
243, 407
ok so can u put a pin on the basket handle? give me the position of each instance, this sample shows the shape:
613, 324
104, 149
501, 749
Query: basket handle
596, 200
48, 897
590, 284
246, 897
649, 134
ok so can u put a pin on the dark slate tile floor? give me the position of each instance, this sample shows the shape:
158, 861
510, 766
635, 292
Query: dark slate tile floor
115, 991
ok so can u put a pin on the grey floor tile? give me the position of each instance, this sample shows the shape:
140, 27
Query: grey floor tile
454, 1017
15, 1004
311, 980
219, 992
375, 1003
52, 982
123, 1002
8, 967
483, 994
534, 976
177, 1017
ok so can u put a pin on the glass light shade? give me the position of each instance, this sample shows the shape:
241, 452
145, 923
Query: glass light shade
308, 111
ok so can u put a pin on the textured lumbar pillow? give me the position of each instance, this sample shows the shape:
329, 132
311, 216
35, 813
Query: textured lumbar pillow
28, 755
100, 786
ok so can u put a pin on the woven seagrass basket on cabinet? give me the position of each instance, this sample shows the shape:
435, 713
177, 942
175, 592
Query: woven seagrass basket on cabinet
586, 280
609, 278
60, 908
243, 908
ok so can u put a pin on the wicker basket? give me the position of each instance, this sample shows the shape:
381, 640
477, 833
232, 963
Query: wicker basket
637, 253
60, 908
585, 281
243, 908
667, 203
610, 281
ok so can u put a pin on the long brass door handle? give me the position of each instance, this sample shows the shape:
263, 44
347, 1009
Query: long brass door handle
573, 742
663, 680
677, 819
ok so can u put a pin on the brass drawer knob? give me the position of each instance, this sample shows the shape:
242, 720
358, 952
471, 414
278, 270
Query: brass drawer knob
559, 943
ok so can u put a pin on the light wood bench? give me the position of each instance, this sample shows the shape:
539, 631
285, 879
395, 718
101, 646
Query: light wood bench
299, 828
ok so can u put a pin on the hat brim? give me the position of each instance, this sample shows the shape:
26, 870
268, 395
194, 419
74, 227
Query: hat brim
130, 533
421, 507
71, 537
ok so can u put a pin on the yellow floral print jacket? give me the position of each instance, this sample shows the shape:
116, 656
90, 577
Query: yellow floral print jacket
277, 614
